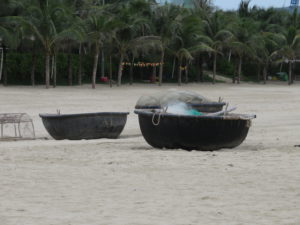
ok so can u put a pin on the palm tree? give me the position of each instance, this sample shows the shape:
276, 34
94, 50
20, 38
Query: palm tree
9, 34
167, 20
245, 42
124, 46
244, 9
82, 9
271, 23
268, 43
99, 27
185, 46
45, 19
204, 5
131, 35
181, 55
202, 9
289, 51
217, 36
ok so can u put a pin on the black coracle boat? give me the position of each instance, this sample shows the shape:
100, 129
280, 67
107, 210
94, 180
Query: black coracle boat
189, 132
85, 126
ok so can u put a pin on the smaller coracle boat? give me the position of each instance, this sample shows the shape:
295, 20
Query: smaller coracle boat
85, 126
190, 132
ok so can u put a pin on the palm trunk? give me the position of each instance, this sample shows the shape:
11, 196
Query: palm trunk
102, 64
154, 74
174, 65
179, 72
120, 72
265, 73
290, 73
1, 65
110, 71
131, 71
258, 73
32, 74
186, 75
215, 68
70, 74
200, 70
240, 70
234, 76
80, 66
293, 74
47, 69
161, 67
281, 64
53, 70
4, 70
141, 73
95, 68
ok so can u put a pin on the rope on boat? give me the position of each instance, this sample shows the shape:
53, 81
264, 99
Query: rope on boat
158, 119
159, 116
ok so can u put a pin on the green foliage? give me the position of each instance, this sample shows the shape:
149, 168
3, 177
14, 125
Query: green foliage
145, 31
225, 67
19, 68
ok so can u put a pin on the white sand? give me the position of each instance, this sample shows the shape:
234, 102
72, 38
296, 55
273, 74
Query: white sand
127, 182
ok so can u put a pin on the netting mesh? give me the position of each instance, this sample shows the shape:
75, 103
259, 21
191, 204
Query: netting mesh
16, 126
170, 97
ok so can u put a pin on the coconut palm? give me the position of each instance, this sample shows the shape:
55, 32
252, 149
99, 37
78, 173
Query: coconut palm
184, 47
96, 27
130, 28
244, 9
132, 35
99, 27
289, 50
217, 36
27, 38
9, 35
167, 21
183, 55
204, 5
268, 42
46, 20
202, 10
245, 42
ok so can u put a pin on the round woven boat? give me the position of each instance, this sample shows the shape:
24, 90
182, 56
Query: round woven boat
206, 133
85, 126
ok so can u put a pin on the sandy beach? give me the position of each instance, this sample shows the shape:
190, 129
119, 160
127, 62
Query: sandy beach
127, 182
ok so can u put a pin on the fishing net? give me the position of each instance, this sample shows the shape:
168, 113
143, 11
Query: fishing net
170, 97
16, 126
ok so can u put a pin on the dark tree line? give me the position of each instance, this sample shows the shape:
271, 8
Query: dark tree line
116, 35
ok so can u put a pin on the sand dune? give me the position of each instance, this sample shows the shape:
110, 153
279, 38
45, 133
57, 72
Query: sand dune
127, 182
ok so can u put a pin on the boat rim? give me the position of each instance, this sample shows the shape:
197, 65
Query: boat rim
191, 104
52, 115
230, 116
